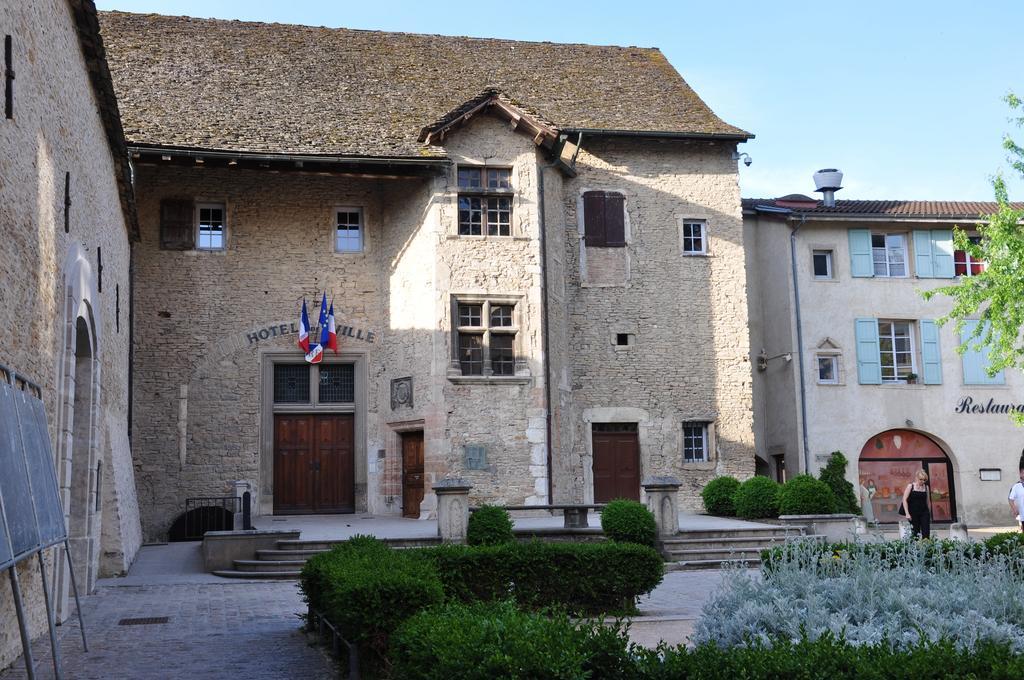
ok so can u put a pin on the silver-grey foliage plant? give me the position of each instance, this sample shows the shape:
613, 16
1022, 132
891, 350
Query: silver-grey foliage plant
857, 596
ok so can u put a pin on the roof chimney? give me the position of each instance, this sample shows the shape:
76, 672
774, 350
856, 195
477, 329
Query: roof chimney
828, 182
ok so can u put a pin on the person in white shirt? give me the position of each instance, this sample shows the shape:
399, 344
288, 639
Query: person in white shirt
1016, 499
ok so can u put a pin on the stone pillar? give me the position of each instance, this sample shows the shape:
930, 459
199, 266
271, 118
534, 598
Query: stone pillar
452, 509
238, 488
662, 500
958, 531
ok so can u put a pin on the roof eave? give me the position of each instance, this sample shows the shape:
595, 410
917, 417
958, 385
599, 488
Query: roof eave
740, 136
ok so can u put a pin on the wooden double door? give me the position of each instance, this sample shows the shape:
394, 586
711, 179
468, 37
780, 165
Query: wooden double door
616, 462
412, 473
314, 464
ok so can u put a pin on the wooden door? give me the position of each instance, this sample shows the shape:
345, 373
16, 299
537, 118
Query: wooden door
313, 464
412, 473
616, 465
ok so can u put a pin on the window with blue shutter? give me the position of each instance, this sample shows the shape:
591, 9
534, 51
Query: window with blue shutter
860, 253
923, 254
869, 365
932, 372
942, 253
976, 360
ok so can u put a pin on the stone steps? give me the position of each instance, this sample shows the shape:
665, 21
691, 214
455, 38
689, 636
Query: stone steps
261, 575
742, 546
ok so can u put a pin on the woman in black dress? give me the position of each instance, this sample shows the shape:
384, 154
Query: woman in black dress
915, 504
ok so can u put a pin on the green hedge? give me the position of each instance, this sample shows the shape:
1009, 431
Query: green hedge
757, 498
718, 496
485, 642
629, 522
367, 589
582, 578
805, 495
489, 525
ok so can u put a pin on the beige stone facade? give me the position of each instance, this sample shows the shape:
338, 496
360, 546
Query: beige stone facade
204, 398
64, 321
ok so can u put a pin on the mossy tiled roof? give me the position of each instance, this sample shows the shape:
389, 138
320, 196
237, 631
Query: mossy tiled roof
277, 88
915, 209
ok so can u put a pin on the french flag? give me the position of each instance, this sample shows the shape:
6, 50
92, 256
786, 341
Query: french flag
304, 329
330, 339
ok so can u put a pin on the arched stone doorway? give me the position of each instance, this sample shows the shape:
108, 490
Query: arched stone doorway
889, 461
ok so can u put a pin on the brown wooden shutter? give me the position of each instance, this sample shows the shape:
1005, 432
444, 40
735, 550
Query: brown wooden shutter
615, 220
177, 230
594, 218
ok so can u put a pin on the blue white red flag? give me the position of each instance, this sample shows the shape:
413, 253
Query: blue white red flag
304, 328
323, 312
332, 332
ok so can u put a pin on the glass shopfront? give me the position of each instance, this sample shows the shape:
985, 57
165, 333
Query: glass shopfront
889, 461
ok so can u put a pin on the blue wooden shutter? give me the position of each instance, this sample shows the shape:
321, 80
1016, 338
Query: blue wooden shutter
923, 254
942, 253
869, 364
976, 361
932, 374
861, 263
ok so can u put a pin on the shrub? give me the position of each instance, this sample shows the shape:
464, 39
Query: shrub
805, 495
718, 496
493, 640
367, 589
1005, 543
629, 522
834, 474
489, 525
756, 498
582, 578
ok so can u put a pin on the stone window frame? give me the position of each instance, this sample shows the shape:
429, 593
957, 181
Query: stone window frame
521, 372
362, 227
710, 450
484, 193
197, 209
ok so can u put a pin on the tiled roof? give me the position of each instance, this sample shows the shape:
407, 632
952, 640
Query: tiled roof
277, 88
935, 209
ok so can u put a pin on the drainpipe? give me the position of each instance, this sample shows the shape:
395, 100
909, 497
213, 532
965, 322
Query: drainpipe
545, 335
131, 334
800, 343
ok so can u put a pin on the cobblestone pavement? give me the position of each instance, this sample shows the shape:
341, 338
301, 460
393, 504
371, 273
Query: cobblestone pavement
224, 630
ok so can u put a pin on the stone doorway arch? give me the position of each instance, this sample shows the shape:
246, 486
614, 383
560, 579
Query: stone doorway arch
889, 460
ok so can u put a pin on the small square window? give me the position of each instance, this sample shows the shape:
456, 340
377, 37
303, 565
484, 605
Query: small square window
695, 442
470, 315
828, 369
499, 178
822, 264
210, 228
470, 178
501, 316
348, 230
694, 238
476, 457
622, 339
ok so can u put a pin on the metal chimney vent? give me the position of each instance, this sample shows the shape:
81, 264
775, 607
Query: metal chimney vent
828, 182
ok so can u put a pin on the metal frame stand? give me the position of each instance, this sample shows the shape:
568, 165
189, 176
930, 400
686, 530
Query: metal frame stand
54, 646
74, 589
26, 641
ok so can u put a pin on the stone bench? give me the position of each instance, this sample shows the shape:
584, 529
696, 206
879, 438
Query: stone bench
574, 515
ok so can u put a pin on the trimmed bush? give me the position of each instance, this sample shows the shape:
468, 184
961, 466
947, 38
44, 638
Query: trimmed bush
757, 498
718, 496
582, 578
489, 525
1005, 543
367, 590
629, 522
834, 474
805, 495
485, 641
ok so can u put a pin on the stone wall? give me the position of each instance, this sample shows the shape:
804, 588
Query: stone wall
48, 278
690, 360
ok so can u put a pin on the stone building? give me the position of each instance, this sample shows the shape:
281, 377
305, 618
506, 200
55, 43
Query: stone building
66, 224
534, 253
852, 359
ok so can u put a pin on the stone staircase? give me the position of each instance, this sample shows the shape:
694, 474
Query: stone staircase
285, 561
712, 549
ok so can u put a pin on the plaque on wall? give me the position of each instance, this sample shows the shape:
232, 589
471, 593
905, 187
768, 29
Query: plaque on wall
401, 393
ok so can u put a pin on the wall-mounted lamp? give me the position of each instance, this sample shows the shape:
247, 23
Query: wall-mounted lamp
747, 160
763, 359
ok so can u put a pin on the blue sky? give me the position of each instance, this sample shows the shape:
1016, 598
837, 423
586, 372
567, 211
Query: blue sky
905, 97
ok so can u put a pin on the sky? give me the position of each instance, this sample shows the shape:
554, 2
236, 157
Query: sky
905, 96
